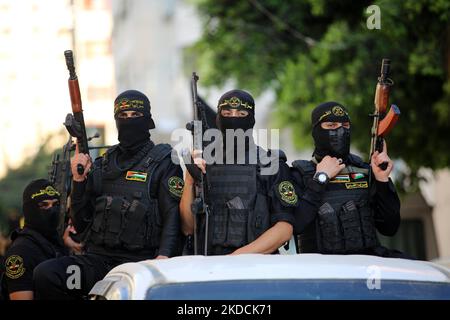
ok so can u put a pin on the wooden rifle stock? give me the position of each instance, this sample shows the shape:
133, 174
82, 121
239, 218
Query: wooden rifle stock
75, 124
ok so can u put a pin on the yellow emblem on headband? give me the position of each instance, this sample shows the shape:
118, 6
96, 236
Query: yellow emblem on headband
124, 104
338, 111
235, 102
49, 190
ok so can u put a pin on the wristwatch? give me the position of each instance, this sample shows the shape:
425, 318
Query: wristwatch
321, 177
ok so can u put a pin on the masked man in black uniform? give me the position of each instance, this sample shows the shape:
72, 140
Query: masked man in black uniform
38, 241
251, 211
343, 200
127, 206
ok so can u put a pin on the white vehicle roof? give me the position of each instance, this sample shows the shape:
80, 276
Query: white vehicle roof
145, 274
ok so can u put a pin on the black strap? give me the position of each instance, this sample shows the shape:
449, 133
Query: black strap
158, 153
307, 169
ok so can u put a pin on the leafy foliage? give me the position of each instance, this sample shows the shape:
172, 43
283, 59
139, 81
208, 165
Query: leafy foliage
314, 51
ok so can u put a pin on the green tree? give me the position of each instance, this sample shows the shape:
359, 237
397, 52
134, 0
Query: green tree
313, 51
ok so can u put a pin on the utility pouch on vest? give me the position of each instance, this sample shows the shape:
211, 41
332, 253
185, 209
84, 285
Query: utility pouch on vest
237, 227
155, 225
258, 218
351, 227
133, 235
219, 220
368, 225
114, 221
102, 206
329, 227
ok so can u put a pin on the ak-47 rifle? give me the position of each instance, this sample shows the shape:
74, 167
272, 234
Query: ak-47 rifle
199, 206
382, 122
75, 122
60, 177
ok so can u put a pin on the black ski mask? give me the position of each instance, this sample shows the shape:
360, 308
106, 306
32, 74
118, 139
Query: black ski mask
133, 132
240, 100
336, 142
44, 221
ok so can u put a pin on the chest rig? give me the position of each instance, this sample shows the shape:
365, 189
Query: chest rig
126, 215
239, 211
344, 222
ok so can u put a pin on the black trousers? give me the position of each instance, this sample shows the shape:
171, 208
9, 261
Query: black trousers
56, 279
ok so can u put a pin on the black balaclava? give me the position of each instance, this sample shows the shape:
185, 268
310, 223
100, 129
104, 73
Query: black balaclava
240, 100
43, 221
334, 143
133, 132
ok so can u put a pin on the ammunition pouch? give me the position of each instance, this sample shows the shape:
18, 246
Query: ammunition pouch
126, 216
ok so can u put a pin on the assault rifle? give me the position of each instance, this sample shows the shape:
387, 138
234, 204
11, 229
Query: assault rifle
202, 118
383, 121
75, 122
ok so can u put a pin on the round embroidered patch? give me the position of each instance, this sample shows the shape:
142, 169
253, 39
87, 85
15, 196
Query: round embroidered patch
176, 185
338, 111
14, 267
287, 192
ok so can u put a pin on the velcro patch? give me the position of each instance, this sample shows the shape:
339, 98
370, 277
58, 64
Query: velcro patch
14, 267
176, 185
340, 178
136, 176
357, 185
287, 192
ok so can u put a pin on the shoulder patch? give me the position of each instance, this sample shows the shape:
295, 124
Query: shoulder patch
287, 192
176, 185
14, 267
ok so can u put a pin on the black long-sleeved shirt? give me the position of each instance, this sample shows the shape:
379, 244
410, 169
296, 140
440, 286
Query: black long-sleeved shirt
161, 188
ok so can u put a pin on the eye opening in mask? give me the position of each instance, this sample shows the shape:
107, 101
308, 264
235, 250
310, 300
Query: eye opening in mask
231, 112
331, 125
129, 114
47, 204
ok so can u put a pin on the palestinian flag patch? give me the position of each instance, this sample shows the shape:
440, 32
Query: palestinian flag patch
136, 176
341, 178
357, 176
176, 185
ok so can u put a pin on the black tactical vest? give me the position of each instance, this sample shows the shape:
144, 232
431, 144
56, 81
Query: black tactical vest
238, 203
126, 217
344, 221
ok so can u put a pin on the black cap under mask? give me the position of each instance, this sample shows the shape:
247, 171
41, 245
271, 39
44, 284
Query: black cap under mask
335, 142
44, 221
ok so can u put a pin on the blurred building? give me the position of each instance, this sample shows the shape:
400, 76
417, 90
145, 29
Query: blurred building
33, 81
95, 66
33, 36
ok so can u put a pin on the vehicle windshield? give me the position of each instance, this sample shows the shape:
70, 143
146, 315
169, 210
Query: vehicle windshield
300, 290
